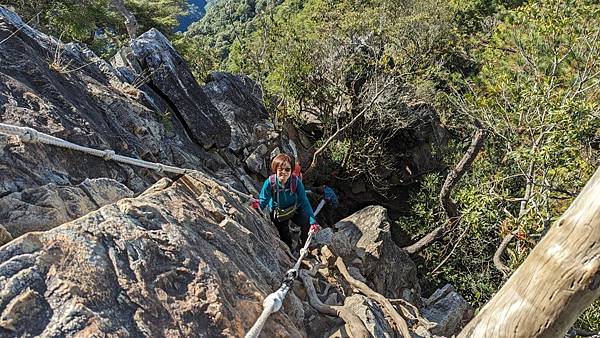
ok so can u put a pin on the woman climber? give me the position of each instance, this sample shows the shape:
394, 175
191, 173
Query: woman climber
285, 195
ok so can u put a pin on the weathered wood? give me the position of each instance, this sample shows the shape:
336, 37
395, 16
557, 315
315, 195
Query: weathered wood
313, 300
399, 322
353, 323
556, 283
446, 202
497, 260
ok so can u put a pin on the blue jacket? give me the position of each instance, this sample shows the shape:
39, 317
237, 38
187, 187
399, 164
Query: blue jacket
287, 198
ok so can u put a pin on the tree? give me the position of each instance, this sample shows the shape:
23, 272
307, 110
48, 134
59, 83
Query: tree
537, 94
99, 23
556, 283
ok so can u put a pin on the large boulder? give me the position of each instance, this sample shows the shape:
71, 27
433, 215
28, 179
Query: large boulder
364, 241
239, 100
185, 258
153, 57
43, 208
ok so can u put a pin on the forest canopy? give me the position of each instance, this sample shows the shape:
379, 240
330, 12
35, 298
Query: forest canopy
372, 72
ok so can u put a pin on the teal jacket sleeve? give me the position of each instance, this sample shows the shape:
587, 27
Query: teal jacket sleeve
265, 195
304, 203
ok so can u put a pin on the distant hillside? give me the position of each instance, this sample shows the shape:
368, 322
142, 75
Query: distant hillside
196, 13
224, 20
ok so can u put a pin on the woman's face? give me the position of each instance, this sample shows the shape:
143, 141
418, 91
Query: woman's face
284, 171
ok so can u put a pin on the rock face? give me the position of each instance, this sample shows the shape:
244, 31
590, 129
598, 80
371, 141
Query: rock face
96, 248
173, 81
239, 100
44, 208
67, 91
80, 98
364, 241
185, 258
448, 309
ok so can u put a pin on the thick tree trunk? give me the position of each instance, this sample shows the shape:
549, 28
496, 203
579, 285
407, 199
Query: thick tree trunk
558, 281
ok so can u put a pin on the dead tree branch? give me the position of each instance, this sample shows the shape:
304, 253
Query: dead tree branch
350, 124
505, 270
455, 174
353, 323
451, 180
130, 22
399, 322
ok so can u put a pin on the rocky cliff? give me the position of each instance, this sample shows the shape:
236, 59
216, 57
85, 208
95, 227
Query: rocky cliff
97, 248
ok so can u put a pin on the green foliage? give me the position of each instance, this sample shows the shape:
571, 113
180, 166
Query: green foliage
590, 319
329, 60
201, 60
225, 23
541, 113
159, 14
95, 22
70, 20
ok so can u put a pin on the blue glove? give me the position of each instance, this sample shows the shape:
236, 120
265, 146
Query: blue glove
330, 196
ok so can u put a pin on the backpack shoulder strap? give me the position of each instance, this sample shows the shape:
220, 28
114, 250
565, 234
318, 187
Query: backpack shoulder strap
273, 182
274, 190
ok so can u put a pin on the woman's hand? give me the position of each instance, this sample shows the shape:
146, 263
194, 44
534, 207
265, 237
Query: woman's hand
315, 227
254, 203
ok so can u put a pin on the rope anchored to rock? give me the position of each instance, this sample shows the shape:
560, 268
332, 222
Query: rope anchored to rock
30, 135
273, 302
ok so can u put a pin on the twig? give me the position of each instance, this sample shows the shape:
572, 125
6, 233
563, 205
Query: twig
20, 28
360, 114
451, 251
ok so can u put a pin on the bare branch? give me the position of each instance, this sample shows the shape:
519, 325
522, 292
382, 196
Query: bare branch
352, 122
20, 28
130, 21
463, 165
399, 322
427, 239
462, 235
451, 180
497, 261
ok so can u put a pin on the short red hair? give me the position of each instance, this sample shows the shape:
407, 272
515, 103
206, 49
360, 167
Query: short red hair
281, 159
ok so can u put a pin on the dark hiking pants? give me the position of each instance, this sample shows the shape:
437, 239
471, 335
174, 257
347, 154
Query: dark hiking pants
301, 220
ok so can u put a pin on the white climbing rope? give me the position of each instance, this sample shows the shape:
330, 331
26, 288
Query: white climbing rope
273, 302
30, 135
